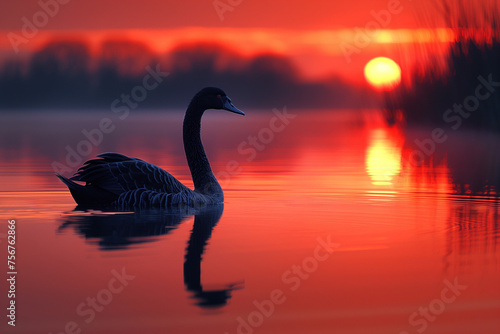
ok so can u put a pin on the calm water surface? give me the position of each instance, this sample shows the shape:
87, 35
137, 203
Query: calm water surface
332, 223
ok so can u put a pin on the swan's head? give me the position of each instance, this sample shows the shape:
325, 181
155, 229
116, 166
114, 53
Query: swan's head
215, 98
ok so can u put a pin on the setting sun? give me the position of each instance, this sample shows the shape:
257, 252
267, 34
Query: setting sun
383, 73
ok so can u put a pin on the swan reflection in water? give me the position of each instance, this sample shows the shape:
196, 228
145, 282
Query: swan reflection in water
115, 231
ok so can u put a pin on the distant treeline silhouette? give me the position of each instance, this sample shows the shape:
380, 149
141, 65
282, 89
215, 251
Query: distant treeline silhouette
467, 93
68, 74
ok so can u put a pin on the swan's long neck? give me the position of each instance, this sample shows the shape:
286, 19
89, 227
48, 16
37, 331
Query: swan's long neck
201, 172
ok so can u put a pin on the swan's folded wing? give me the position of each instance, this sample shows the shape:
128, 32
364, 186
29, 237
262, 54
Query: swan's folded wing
118, 173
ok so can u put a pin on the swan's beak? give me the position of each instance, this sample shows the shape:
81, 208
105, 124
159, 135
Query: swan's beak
228, 105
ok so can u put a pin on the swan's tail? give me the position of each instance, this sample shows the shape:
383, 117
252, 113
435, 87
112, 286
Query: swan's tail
87, 196
70, 184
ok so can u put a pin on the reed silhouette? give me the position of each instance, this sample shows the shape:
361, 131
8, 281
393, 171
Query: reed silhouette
428, 96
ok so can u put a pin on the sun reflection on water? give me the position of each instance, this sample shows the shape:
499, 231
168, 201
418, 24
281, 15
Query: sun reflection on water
383, 157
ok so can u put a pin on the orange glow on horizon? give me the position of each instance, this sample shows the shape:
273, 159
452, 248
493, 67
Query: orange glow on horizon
284, 40
316, 52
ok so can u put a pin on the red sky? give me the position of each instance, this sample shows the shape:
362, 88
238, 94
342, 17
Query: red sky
313, 33
287, 14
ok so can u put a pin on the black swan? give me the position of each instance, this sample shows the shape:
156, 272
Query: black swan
117, 181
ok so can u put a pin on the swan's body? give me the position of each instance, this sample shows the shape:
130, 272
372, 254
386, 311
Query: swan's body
115, 180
